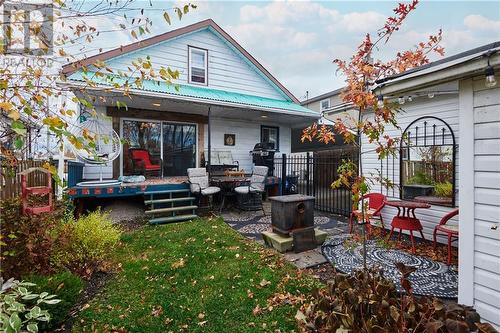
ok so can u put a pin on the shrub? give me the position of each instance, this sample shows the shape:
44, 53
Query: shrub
67, 286
20, 309
443, 189
420, 178
367, 302
87, 242
28, 240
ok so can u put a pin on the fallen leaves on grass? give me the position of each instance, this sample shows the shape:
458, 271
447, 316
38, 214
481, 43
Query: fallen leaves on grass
264, 283
178, 264
157, 311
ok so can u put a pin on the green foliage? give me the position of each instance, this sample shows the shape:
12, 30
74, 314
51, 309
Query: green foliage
28, 241
88, 241
66, 285
420, 178
443, 189
52, 242
20, 309
367, 302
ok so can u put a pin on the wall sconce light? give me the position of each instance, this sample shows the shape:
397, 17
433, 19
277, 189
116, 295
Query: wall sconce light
409, 99
430, 95
401, 100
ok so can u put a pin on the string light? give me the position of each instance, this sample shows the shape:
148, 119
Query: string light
490, 80
380, 101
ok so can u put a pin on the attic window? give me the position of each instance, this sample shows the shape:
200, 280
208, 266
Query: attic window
325, 104
198, 64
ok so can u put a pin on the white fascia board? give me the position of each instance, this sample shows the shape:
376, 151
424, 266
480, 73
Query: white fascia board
439, 74
193, 99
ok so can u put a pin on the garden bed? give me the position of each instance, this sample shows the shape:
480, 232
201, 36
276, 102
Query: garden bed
198, 276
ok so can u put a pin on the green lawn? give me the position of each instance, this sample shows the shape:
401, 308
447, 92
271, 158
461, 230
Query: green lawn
199, 276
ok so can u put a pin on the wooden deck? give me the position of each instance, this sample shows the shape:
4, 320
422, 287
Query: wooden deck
128, 189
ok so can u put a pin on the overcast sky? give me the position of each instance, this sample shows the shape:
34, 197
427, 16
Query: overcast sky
297, 41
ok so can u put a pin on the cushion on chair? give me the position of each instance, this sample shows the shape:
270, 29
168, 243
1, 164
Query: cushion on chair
246, 189
450, 228
198, 178
210, 190
259, 177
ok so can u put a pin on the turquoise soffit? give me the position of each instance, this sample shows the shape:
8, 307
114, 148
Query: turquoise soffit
200, 93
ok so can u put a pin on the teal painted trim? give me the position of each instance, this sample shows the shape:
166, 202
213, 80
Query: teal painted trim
192, 91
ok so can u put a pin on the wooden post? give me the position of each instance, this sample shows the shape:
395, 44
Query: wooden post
209, 134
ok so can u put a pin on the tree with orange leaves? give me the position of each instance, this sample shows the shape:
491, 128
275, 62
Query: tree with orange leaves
361, 73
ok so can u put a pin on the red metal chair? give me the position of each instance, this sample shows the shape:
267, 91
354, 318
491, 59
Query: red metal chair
142, 161
376, 201
450, 230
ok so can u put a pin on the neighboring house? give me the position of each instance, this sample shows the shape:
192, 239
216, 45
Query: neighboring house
452, 95
329, 107
220, 84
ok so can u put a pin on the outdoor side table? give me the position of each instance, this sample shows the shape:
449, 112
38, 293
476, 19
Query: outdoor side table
406, 219
227, 185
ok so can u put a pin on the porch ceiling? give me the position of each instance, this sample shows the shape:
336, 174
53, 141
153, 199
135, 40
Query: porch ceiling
169, 104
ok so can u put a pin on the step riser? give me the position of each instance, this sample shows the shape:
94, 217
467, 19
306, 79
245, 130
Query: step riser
171, 209
158, 201
173, 219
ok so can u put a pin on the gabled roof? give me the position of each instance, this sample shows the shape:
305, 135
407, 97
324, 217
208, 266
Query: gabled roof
209, 23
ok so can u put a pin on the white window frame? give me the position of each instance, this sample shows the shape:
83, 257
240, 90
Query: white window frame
190, 49
321, 104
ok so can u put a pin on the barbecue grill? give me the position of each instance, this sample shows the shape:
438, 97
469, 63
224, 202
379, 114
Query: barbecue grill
263, 154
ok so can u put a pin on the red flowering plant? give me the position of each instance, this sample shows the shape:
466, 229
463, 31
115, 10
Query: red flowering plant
361, 73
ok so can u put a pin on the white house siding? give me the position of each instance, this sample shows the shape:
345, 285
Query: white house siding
486, 241
227, 69
247, 135
444, 107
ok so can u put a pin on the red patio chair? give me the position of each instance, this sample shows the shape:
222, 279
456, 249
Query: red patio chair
450, 230
376, 201
142, 161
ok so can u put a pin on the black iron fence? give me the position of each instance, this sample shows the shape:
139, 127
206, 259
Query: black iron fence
313, 174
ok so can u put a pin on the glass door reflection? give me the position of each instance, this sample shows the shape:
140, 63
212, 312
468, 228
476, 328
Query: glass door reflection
179, 148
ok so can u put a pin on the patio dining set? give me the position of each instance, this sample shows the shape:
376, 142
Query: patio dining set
404, 220
247, 191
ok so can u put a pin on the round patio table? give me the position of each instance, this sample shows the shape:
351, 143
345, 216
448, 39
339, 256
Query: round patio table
406, 219
227, 184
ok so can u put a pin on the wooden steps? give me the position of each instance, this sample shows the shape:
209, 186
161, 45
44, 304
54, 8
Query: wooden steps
170, 206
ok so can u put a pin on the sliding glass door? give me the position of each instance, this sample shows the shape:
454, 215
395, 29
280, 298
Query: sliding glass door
179, 148
155, 148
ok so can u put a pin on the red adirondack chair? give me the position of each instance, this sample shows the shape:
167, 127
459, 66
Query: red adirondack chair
376, 201
142, 161
35, 190
450, 230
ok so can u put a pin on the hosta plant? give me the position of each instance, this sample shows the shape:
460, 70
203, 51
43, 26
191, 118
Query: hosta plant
20, 309
367, 302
